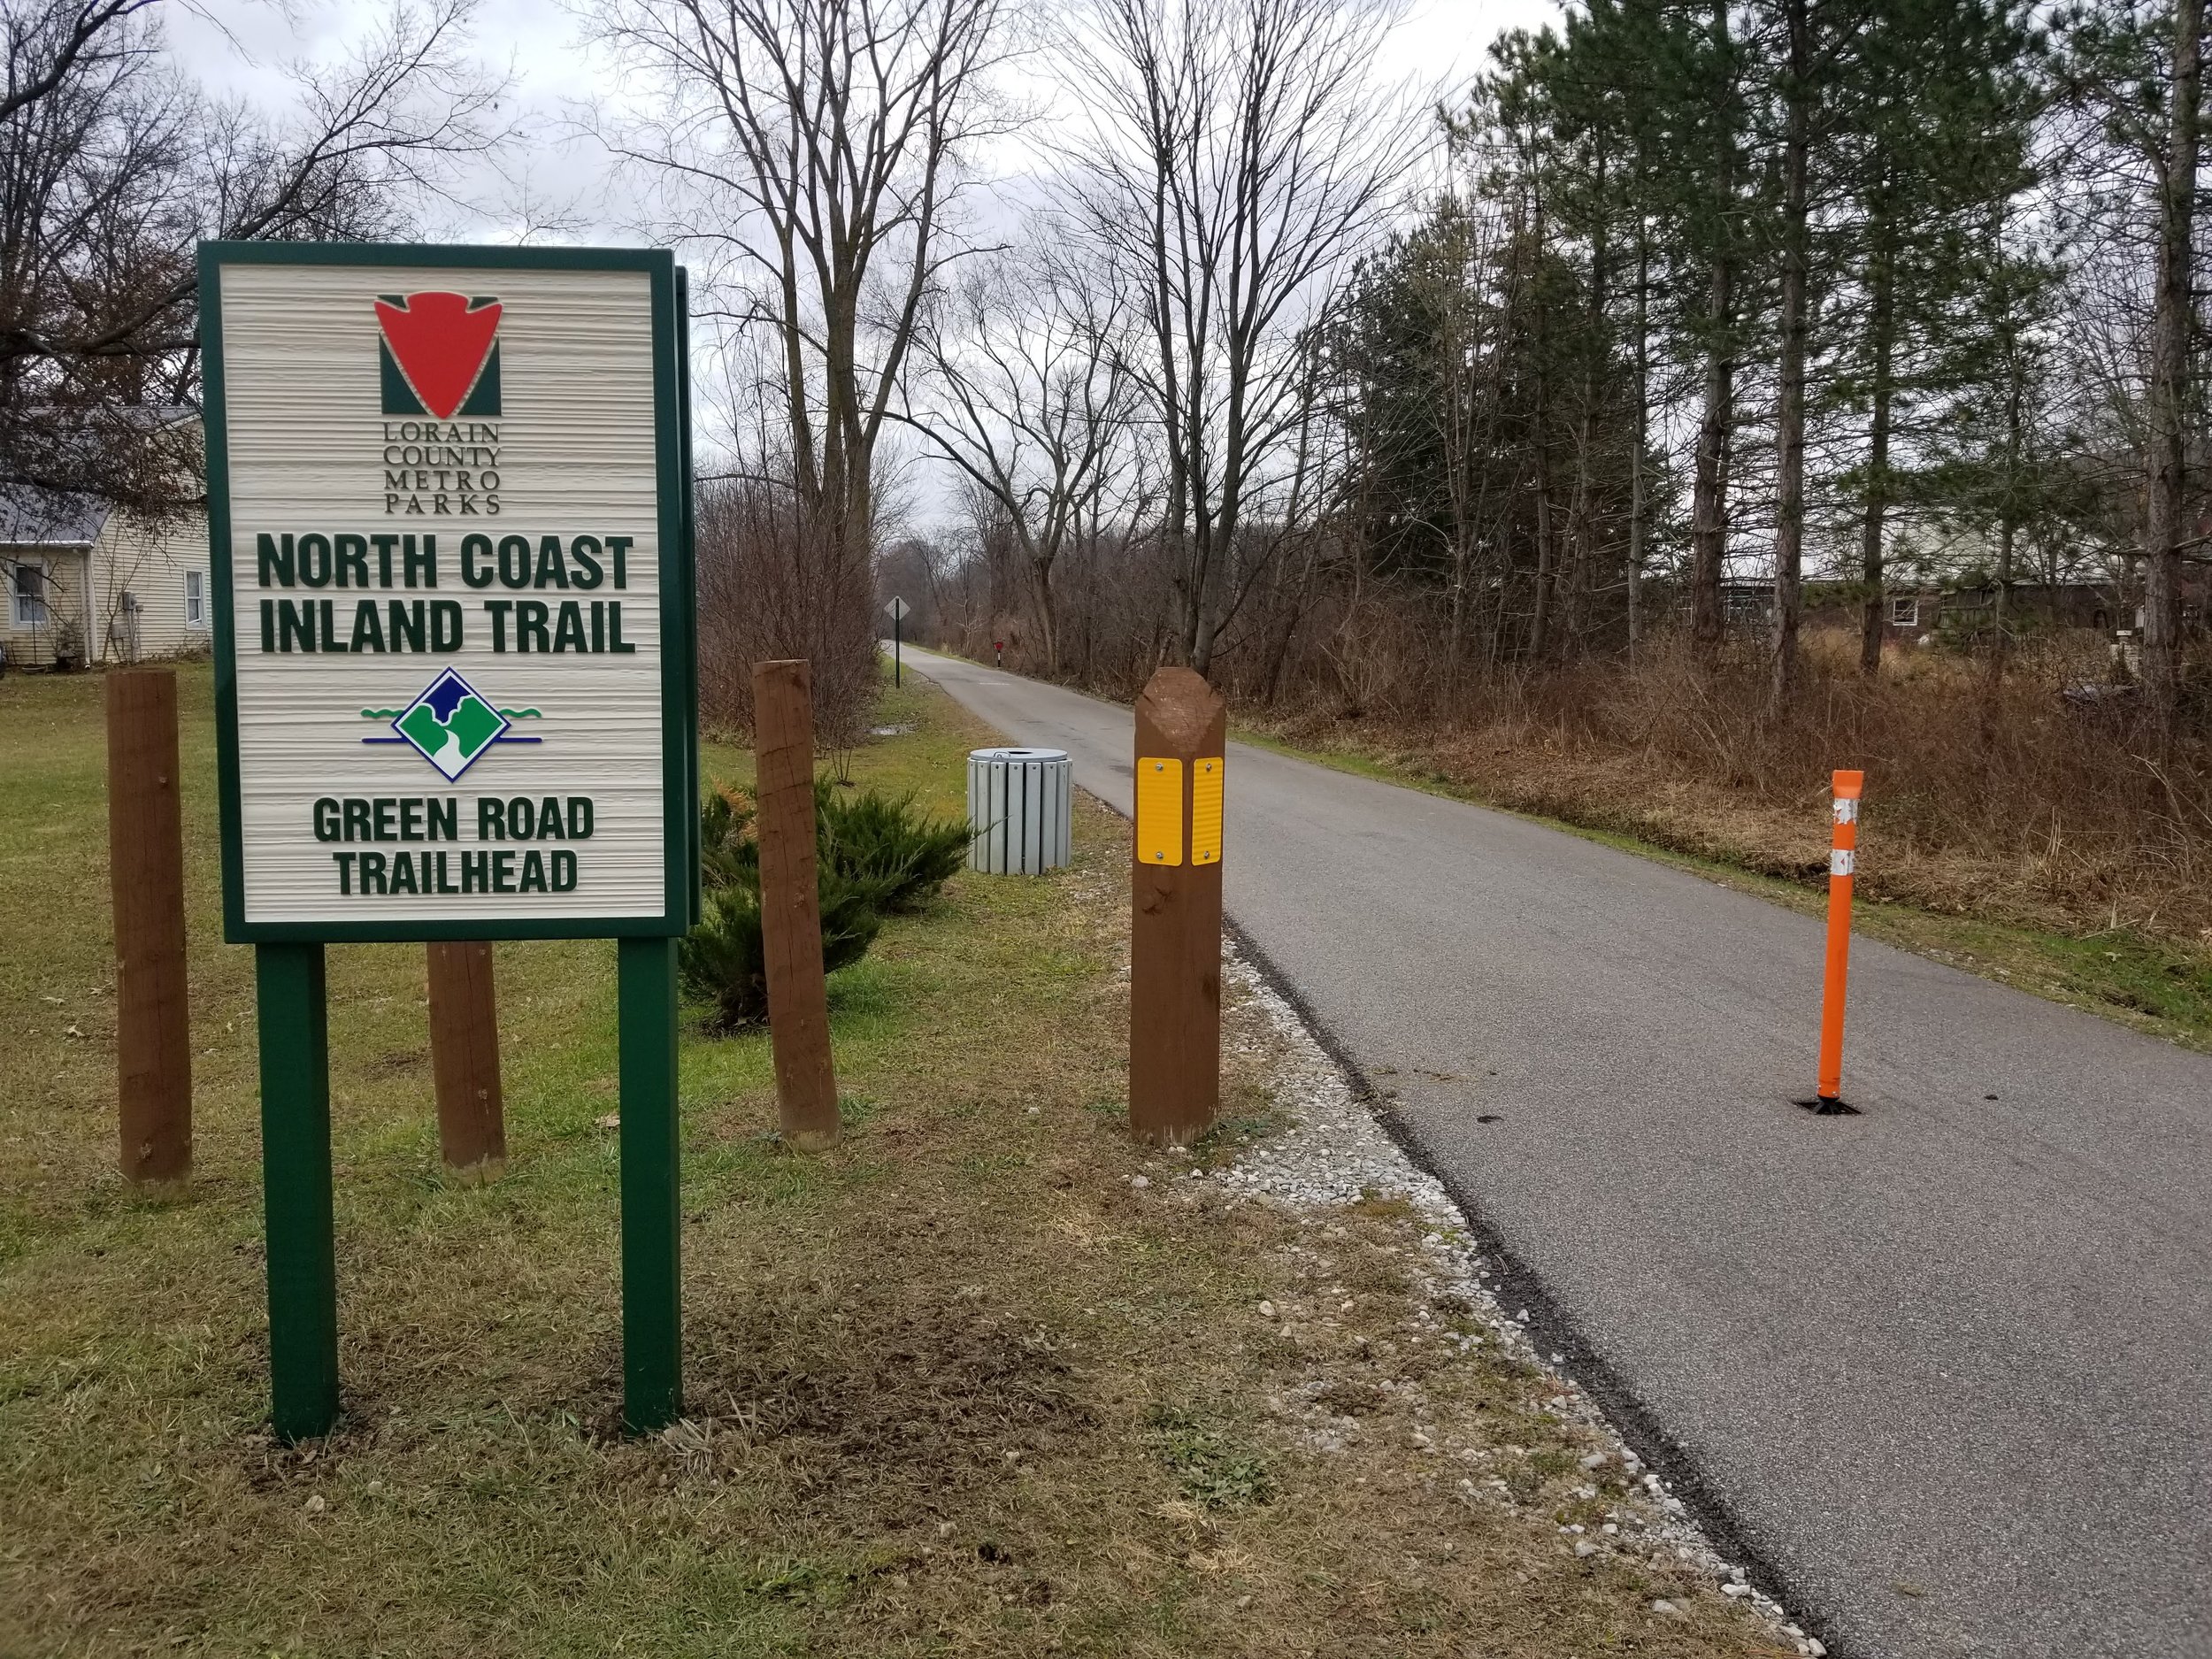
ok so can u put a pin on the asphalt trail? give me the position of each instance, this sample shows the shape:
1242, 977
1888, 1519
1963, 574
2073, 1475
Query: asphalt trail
1942, 1368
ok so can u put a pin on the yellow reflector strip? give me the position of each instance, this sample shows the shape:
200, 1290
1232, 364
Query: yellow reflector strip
1205, 810
1159, 811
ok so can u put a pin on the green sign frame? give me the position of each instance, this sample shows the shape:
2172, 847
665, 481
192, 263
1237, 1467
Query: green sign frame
289, 963
680, 671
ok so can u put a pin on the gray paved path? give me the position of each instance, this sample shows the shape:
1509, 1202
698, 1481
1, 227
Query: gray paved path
1943, 1366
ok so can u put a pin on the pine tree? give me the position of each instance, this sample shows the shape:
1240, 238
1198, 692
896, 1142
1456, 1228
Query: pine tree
1935, 137
2172, 313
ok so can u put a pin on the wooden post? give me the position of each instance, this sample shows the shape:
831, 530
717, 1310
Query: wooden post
153, 1037
465, 1058
790, 906
1175, 910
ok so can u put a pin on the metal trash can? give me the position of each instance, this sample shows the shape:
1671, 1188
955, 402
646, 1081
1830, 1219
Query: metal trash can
1020, 801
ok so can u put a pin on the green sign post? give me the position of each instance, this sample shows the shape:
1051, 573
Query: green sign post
450, 515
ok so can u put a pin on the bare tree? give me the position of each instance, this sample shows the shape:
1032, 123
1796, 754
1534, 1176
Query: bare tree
47, 45
1236, 151
112, 168
817, 143
1451, 269
1027, 393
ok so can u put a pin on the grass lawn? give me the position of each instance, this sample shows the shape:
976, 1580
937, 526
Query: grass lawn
957, 1387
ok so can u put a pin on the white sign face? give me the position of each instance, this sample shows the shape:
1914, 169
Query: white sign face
446, 634
897, 607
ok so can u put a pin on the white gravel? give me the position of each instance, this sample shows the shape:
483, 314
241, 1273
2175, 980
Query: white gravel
1332, 1154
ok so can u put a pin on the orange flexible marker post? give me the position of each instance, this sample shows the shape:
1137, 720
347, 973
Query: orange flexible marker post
1842, 866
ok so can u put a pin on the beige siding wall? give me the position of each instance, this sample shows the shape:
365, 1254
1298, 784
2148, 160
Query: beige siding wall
31, 644
159, 567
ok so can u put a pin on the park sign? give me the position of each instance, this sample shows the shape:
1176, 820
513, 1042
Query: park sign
449, 522
454, 646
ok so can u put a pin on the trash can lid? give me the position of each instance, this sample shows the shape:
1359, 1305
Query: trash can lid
1017, 753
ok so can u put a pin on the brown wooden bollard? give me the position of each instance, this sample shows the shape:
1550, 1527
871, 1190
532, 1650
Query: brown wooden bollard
790, 906
153, 1028
1175, 910
465, 1059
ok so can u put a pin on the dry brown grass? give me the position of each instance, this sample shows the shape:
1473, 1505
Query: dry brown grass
957, 1389
1998, 800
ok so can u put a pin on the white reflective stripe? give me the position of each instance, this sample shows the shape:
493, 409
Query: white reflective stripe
1846, 810
1842, 862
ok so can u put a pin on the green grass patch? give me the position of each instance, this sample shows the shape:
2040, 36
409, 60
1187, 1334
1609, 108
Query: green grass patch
1210, 1468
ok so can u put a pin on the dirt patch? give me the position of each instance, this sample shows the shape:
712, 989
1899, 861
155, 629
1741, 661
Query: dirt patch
398, 1062
887, 1402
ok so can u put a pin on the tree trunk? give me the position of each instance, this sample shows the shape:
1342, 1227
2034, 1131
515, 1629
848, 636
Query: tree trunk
2002, 609
1202, 645
1540, 623
1636, 500
2166, 442
1047, 617
1873, 621
1789, 532
1455, 644
2009, 509
1539, 620
1581, 528
856, 541
1708, 500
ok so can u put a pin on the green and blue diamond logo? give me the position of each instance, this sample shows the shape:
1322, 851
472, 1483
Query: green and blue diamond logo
450, 725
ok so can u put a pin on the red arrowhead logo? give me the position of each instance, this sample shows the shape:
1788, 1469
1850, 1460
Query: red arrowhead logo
440, 343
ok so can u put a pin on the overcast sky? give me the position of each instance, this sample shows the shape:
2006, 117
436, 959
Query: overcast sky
241, 48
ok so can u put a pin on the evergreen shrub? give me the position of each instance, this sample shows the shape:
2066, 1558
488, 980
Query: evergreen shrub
874, 855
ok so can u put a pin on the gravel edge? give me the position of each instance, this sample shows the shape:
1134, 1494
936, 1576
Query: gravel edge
1338, 1149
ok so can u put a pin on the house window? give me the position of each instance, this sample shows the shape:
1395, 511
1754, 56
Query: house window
195, 600
1905, 612
27, 597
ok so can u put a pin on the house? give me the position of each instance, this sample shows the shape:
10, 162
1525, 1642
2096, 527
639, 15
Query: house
1963, 612
1967, 610
82, 582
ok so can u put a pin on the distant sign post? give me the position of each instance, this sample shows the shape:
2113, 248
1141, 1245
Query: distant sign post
450, 536
897, 607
